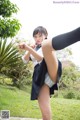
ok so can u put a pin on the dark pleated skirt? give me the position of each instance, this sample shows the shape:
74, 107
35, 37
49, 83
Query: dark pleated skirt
39, 76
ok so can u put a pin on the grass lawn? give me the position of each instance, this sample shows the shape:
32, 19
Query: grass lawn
19, 104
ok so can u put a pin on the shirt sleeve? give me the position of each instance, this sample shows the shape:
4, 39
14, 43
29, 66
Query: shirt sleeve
23, 58
25, 61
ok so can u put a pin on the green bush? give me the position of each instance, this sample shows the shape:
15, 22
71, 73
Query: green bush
69, 95
78, 96
5, 80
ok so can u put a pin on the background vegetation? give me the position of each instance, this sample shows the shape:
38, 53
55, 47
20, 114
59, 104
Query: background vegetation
15, 76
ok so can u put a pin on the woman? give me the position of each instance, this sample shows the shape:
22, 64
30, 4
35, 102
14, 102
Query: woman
42, 85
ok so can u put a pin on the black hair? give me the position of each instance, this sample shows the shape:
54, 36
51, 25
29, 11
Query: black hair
41, 30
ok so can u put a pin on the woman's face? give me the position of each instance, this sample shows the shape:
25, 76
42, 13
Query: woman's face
39, 38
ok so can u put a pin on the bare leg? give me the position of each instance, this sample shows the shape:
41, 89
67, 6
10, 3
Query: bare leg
50, 59
59, 42
44, 102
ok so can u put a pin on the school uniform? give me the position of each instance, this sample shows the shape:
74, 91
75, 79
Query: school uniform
41, 77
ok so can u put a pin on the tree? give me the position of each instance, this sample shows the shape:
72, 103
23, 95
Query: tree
71, 73
64, 54
8, 25
9, 55
8, 28
10, 60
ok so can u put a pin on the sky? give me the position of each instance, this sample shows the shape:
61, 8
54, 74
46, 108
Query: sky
57, 16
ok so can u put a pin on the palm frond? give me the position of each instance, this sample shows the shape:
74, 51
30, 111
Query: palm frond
8, 54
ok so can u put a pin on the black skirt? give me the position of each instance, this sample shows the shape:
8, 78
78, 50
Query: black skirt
39, 76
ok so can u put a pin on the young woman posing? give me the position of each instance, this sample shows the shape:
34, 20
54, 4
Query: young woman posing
42, 85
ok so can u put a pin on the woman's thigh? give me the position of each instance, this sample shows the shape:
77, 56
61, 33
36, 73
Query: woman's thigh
50, 59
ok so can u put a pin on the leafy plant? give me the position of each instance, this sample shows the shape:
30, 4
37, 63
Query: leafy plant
69, 95
8, 55
7, 8
9, 28
8, 25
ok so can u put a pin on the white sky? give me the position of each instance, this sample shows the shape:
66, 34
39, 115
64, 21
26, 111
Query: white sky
56, 17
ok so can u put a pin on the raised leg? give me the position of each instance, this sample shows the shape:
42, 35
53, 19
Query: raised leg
57, 43
64, 40
50, 59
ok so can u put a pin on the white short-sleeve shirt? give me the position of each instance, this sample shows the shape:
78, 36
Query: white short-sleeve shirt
48, 80
35, 62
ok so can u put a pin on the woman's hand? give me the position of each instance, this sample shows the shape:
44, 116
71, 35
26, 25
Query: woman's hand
33, 46
31, 51
24, 46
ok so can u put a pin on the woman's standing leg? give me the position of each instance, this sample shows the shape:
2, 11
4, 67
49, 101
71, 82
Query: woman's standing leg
44, 102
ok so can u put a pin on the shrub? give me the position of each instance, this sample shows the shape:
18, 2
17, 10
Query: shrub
69, 95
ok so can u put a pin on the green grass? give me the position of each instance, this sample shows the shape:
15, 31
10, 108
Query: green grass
65, 109
19, 104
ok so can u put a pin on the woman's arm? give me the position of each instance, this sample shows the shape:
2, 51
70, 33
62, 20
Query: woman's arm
35, 54
26, 56
30, 51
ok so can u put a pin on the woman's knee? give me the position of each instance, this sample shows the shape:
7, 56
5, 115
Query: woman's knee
47, 45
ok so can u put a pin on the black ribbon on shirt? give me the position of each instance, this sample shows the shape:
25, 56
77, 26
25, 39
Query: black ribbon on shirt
37, 47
